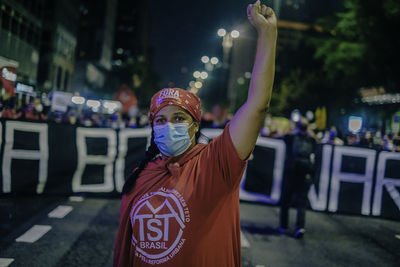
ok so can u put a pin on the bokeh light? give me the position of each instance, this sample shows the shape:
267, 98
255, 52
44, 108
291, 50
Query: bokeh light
221, 32
214, 60
205, 59
235, 34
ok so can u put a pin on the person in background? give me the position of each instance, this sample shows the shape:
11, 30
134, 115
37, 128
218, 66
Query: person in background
331, 137
299, 166
352, 139
10, 110
180, 206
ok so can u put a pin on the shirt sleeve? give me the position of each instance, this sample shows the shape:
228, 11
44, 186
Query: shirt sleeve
222, 159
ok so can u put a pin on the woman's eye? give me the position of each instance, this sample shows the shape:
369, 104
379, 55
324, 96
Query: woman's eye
179, 118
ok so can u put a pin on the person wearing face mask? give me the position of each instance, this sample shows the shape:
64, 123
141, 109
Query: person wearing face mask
180, 206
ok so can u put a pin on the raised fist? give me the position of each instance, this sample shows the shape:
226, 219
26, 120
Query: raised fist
262, 17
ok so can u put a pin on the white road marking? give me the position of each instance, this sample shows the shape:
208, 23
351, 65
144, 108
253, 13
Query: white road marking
397, 236
76, 199
34, 234
4, 262
258, 265
60, 212
245, 243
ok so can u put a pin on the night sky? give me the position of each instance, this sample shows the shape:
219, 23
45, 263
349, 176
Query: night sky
182, 32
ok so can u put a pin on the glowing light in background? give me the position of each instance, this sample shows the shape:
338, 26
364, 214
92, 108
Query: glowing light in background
240, 80
309, 115
198, 85
204, 75
355, 124
214, 60
295, 115
79, 100
194, 90
205, 59
111, 106
120, 51
235, 34
93, 104
221, 32
196, 74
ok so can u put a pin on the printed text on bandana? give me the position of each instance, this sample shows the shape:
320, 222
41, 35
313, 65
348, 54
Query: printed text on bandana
168, 93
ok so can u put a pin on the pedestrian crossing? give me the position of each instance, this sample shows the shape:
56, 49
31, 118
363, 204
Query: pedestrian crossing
34, 233
76, 229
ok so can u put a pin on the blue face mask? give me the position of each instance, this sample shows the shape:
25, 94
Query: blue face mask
172, 139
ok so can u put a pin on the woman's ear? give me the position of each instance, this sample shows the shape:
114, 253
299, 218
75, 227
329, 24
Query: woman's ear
196, 125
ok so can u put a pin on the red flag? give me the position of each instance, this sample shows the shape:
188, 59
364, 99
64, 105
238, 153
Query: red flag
127, 97
8, 77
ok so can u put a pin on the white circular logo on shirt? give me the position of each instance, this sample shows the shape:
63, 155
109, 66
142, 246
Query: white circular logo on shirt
158, 220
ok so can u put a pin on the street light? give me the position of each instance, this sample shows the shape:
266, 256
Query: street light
295, 115
205, 59
227, 43
95, 104
221, 32
79, 100
214, 60
235, 34
203, 75
196, 74
198, 85
194, 90
240, 80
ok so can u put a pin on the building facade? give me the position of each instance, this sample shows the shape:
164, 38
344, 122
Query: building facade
95, 45
59, 40
20, 38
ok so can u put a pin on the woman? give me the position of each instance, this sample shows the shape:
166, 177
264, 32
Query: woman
182, 209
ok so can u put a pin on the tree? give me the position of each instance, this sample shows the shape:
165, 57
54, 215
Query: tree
299, 89
360, 46
357, 47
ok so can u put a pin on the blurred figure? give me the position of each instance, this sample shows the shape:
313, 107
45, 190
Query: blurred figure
266, 129
220, 116
352, 140
388, 142
299, 165
377, 139
132, 123
331, 137
206, 120
396, 143
143, 120
10, 110
30, 112
367, 140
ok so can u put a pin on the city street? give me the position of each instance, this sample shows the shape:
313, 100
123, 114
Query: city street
294, 98
79, 231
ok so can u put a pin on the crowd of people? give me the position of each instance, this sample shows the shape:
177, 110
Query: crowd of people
373, 139
39, 109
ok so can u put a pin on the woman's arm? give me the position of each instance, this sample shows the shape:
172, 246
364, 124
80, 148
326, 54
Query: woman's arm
247, 122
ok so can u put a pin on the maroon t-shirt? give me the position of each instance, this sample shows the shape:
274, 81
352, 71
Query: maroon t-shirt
186, 215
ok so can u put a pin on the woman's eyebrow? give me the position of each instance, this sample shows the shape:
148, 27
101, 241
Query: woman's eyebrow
180, 113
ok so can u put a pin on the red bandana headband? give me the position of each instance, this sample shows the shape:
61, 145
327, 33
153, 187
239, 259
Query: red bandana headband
178, 97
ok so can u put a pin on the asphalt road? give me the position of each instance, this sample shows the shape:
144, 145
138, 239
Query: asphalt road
62, 231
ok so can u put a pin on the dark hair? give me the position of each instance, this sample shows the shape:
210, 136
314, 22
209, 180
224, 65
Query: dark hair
149, 155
